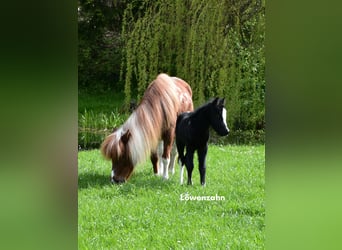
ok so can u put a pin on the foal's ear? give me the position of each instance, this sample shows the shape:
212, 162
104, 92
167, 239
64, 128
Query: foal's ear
223, 101
219, 102
216, 101
125, 137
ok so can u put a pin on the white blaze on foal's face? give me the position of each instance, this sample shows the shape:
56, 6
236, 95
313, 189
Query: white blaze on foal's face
224, 116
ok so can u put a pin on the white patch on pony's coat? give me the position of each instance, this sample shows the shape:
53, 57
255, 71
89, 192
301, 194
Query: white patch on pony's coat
171, 165
224, 116
137, 145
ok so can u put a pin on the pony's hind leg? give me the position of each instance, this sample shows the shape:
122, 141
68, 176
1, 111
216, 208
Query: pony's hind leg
154, 160
173, 159
168, 141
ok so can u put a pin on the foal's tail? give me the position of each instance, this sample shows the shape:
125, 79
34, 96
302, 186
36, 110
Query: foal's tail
180, 149
181, 160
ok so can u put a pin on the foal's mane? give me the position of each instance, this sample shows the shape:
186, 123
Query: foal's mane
199, 110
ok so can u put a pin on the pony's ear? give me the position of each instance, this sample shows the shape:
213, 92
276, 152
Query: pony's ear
125, 137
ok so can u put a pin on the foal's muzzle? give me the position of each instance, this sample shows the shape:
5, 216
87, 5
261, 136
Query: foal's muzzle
224, 132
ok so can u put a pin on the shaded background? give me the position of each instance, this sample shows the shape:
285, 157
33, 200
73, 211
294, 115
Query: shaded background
39, 125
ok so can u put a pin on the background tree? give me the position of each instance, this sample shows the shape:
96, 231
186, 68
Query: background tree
100, 45
217, 46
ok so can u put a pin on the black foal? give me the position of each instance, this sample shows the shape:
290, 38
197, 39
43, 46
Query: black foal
192, 132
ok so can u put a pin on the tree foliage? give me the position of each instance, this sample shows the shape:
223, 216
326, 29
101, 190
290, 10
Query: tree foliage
217, 46
100, 46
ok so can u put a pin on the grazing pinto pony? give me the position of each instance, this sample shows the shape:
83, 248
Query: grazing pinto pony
153, 120
192, 132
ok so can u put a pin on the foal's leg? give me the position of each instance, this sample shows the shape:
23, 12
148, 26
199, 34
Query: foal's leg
189, 163
181, 158
180, 149
202, 154
181, 174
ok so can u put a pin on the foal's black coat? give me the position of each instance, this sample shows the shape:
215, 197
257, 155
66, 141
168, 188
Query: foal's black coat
192, 132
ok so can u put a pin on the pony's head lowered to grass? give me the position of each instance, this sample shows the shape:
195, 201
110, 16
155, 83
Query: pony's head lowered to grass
153, 120
116, 148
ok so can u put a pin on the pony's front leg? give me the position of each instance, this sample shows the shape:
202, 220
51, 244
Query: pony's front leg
166, 161
154, 160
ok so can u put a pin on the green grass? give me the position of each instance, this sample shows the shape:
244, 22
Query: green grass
146, 212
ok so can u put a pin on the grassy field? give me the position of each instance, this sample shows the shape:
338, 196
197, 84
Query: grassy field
148, 213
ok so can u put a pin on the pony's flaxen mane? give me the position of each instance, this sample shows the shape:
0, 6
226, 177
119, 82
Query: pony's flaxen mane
156, 112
